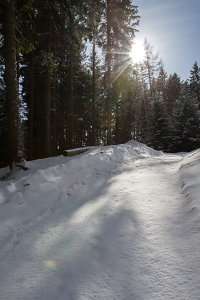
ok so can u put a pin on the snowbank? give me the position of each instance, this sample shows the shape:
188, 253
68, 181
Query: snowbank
28, 196
110, 223
41, 188
190, 178
45, 174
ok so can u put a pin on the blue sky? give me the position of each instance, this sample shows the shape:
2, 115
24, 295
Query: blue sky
173, 27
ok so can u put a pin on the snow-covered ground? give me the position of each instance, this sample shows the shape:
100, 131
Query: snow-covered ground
115, 223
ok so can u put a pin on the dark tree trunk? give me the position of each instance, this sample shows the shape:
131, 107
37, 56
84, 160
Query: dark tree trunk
70, 99
93, 135
12, 96
31, 100
117, 122
54, 120
47, 88
108, 58
116, 95
47, 106
70, 105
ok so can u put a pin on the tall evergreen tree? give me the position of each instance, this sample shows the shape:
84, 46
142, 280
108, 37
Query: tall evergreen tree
151, 67
160, 135
161, 82
14, 142
195, 82
3, 123
121, 22
186, 123
172, 91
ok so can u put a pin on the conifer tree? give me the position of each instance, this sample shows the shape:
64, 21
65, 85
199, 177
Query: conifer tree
161, 82
14, 140
160, 135
172, 91
151, 67
186, 123
121, 22
195, 82
3, 124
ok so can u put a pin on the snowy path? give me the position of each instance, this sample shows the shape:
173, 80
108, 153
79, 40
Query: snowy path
128, 234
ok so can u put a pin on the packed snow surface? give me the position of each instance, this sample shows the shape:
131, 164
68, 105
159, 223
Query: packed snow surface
115, 223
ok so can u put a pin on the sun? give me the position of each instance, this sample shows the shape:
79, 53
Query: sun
137, 52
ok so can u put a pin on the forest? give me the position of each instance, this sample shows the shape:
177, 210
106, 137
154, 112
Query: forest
67, 81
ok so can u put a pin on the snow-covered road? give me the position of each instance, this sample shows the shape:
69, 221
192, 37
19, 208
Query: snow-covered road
125, 234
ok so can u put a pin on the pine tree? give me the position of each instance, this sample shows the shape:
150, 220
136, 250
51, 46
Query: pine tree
161, 82
3, 123
14, 141
186, 125
160, 136
121, 23
54, 64
151, 67
195, 82
172, 91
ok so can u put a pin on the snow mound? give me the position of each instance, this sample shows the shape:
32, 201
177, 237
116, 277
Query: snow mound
107, 217
190, 178
16, 198
51, 172
48, 181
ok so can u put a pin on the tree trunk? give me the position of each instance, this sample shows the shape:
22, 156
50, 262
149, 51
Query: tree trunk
93, 137
150, 81
54, 119
47, 106
108, 58
30, 152
70, 103
116, 93
117, 134
47, 87
12, 96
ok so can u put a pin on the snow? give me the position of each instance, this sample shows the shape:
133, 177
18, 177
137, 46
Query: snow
16, 197
118, 222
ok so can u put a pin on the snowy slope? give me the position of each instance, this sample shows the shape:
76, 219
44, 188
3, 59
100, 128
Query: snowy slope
48, 181
117, 222
190, 178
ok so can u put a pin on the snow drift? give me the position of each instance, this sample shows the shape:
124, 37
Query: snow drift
116, 222
27, 197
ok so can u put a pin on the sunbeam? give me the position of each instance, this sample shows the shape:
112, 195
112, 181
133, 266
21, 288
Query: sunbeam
126, 62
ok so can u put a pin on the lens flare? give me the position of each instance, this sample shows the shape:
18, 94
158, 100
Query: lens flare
51, 264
